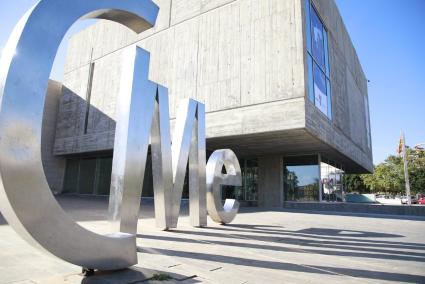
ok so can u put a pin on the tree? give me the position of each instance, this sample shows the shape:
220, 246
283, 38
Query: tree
355, 183
417, 170
388, 176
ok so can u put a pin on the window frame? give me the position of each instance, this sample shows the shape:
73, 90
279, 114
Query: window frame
311, 60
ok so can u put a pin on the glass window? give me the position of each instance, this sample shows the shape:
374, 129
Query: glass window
87, 176
250, 179
301, 178
317, 39
320, 94
70, 184
308, 26
249, 189
103, 176
319, 89
331, 180
231, 192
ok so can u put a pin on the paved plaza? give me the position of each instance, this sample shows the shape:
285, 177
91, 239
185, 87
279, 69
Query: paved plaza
260, 246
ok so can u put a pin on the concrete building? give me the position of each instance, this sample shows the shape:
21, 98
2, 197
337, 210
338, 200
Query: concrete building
281, 81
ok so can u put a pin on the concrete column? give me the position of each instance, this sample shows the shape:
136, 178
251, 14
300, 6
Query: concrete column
270, 181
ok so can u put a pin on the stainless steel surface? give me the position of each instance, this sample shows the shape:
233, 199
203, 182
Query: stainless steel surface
135, 108
215, 178
139, 110
197, 171
25, 198
189, 141
169, 162
161, 159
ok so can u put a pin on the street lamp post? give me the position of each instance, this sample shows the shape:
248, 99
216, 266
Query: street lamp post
406, 171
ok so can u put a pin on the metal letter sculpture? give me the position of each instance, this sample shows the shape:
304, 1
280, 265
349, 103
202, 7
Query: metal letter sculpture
25, 198
142, 119
143, 113
215, 178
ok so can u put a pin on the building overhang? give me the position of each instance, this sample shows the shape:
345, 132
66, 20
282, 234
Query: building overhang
287, 143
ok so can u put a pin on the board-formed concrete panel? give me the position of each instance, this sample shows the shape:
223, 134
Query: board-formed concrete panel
245, 59
101, 39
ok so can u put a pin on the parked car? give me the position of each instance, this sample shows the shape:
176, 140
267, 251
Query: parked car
388, 200
413, 200
421, 201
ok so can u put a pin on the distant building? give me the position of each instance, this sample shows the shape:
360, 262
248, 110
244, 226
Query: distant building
281, 81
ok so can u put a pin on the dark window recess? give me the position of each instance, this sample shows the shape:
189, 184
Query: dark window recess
70, 184
88, 96
86, 179
88, 175
93, 176
103, 180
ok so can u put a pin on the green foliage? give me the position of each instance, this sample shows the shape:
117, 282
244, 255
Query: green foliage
388, 176
161, 277
355, 183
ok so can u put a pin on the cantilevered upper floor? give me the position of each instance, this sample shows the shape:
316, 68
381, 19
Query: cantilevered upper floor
277, 77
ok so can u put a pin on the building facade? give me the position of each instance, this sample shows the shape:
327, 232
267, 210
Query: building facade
281, 82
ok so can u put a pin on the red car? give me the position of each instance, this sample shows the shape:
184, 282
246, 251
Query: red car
421, 200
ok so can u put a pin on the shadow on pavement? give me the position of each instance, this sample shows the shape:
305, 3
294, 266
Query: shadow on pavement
379, 275
135, 275
312, 241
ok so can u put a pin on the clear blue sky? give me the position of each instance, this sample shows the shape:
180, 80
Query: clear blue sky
389, 36
10, 13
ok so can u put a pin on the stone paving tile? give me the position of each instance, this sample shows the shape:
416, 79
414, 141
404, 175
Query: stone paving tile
258, 247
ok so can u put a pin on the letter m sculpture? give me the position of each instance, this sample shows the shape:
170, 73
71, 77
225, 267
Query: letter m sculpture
143, 116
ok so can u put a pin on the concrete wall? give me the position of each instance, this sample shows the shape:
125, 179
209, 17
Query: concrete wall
270, 181
227, 54
347, 131
245, 59
54, 167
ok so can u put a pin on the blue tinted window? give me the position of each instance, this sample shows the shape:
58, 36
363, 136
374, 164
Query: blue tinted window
317, 39
319, 87
320, 94
308, 24
319, 79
